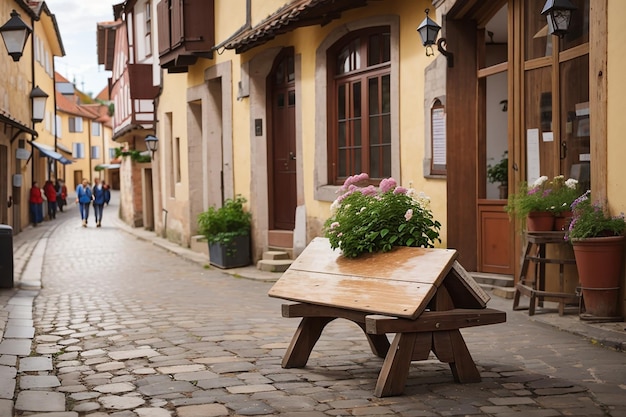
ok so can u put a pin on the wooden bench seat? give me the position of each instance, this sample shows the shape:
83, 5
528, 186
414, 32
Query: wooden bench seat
422, 295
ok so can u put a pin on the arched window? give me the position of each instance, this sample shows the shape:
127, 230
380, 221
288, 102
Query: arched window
359, 101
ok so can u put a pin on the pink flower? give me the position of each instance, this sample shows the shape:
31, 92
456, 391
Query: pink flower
334, 225
400, 190
370, 190
408, 215
354, 179
387, 184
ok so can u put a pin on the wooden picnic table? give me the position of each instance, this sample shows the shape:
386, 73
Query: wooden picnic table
422, 295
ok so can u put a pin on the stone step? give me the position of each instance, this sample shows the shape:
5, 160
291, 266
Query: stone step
275, 255
289, 250
199, 244
271, 265
504, 292
494, 280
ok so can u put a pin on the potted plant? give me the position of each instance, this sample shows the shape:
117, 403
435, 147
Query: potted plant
499, 173
598, 242
227, 230
540, 203
372, 219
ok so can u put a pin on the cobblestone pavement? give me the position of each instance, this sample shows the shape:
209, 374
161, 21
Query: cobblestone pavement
125, 328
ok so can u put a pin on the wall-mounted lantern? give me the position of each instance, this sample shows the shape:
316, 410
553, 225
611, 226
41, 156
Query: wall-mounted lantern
38, 97
152, 143
14, 34
559, 16
428, 30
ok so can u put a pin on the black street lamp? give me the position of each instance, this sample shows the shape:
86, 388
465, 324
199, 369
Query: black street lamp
559, 15
152, 143
428, 30
15, 33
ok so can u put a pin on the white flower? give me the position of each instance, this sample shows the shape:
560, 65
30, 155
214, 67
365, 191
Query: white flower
408, 214
334, 207
571, 183
539, 181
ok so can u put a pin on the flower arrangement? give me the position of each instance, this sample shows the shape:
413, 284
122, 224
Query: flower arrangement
370, 219
554, 196
591, 220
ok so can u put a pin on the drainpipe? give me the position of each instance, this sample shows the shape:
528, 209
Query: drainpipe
32, 71
54, 113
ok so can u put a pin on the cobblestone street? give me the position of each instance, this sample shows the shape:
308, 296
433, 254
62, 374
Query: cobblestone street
125, 328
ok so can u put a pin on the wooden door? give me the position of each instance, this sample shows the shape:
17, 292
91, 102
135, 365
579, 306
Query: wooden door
495, 230
78, 178
282, 143
556, 96
4, 185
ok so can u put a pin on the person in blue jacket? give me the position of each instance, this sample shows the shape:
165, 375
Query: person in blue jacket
101, 196
83, 198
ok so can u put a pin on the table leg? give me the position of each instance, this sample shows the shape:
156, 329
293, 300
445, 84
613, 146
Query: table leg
308, 333
379, 344
450, 347
522, 277
395, 370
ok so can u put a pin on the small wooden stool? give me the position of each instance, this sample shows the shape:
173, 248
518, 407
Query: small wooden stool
535, 288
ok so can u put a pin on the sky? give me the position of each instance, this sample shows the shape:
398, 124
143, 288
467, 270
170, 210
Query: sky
77, 21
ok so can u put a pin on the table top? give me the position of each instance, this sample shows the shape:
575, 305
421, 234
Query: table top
397, 283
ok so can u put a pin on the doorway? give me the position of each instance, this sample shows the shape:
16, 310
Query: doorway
148, 204
495, 229
282, 142
4, 182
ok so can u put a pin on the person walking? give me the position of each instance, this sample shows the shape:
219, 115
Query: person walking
61, 190
83, 198
51, 195
101, 195
35, 202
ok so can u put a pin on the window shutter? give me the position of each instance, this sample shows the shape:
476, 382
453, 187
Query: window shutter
163, 20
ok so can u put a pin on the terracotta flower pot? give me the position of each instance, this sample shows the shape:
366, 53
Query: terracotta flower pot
561, 222
599, 263
540, 221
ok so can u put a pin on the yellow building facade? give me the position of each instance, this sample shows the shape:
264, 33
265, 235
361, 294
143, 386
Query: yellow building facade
266, 100
227, 126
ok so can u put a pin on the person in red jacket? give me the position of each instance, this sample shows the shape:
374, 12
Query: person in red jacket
51, 195
36, 204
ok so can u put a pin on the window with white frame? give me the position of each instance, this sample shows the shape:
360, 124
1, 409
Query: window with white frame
78, 150
96, 129
57, 127
76, 124
95, 152
111, 153
148, 29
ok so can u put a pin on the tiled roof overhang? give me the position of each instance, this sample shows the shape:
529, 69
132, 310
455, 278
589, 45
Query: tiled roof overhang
7, 119
126, 130
298, 13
